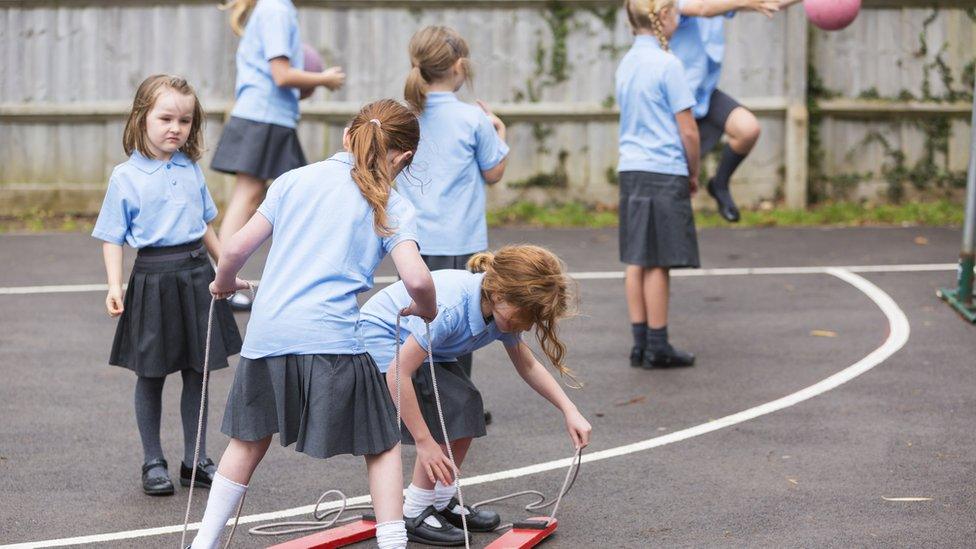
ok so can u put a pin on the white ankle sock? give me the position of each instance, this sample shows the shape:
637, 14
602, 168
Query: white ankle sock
416, 500
225, 496
391, 535
443, 495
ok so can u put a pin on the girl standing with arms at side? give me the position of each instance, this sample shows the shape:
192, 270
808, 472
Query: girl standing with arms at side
658, 175
158, 203
504, 294
304, 372
462, 148
259, 142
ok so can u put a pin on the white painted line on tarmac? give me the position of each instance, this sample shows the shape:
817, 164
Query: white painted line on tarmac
582, 275
898, 333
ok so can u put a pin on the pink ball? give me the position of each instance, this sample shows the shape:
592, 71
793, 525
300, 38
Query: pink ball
313, 63
831, 15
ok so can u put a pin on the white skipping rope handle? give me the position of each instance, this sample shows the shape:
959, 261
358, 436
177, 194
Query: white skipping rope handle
440, 416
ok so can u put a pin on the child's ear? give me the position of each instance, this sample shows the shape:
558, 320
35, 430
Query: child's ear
402, 159
345, 138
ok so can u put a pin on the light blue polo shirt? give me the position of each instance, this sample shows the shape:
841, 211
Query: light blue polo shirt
271, 31
155, 203
324, 251
458, 329
444, 181
699, 42
651, 90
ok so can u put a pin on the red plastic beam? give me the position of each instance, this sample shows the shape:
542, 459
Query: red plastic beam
332, 538
525, 534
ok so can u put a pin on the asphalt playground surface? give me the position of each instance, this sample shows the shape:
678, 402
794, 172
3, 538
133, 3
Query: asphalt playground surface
824, 472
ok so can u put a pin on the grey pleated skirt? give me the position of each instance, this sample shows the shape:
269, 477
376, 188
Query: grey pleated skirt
326, 405
657, 225
464, 412
163, 327
259, 149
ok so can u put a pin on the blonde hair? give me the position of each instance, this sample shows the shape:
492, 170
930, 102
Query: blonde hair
240, 10
531, 279
433, 51
134, 138
380, 127
646, 15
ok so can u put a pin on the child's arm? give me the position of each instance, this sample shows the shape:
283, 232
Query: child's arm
112, 254
285, 75
212, 243
234, 254
688, 129
710, 8
429, 453
542, 382
417, 280
494, 175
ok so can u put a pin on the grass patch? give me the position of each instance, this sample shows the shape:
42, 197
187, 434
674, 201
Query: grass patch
577, 214
845, 214
569, 214
37, 220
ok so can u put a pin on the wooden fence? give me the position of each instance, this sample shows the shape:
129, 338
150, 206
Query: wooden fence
878, 110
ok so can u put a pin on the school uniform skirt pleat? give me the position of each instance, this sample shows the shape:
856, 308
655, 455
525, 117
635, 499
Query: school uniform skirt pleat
163, 327
324, 404
463, 409
657, 225
259, 149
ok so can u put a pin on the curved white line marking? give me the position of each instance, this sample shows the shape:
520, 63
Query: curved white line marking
899, 331
581, 275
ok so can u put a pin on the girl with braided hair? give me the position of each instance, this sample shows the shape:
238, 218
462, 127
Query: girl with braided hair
658, 170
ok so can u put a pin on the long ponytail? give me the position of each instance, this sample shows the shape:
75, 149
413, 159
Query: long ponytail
380, 127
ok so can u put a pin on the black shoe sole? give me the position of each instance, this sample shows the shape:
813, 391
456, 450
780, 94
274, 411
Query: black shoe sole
665, 365
186, 482
426, 541
159, 492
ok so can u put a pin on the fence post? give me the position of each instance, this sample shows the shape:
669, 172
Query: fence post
797, 117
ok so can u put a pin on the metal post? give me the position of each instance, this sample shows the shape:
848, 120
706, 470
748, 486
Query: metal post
961, 298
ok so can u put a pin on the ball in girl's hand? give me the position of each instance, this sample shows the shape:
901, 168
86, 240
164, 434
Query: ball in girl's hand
313, 63
831, 15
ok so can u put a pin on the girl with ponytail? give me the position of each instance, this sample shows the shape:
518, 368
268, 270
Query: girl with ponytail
259, 142
462, 148
658, 175
304, 372
514, 290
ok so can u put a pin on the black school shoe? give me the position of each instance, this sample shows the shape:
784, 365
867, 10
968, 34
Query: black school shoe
481, 520
723, 199
668, 358
205, 473
156, 486
421, 532
636, 357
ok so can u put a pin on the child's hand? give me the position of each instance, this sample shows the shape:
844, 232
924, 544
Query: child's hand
223, 293
433, 461
414, 310
765, 7
693, 185
333, 78
579, 429
495, 121
113, 301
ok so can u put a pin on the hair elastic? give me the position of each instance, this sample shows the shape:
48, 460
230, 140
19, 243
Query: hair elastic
376, 121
